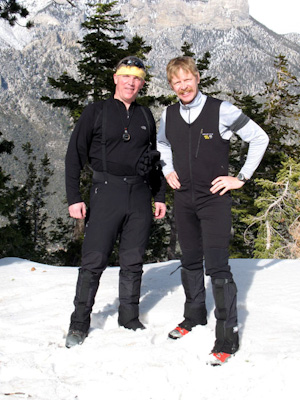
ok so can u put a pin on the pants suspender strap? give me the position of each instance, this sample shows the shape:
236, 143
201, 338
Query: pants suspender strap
103, 117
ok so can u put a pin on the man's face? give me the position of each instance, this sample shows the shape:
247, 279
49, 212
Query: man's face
185, 85
127, 87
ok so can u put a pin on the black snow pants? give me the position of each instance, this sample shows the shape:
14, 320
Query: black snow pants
119, 207
204, 227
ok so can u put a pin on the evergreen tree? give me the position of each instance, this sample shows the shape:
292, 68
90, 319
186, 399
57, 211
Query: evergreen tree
6, 196
25, 234
276, 112
278, 220
281, 108
278, 108
66, 244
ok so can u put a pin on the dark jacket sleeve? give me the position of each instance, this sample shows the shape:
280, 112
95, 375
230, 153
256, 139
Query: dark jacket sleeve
77, 153
156, 177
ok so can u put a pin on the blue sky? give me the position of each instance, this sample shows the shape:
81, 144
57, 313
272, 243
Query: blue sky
282, 16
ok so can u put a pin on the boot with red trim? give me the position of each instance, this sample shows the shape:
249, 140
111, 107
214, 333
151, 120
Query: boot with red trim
181, 330
217, 359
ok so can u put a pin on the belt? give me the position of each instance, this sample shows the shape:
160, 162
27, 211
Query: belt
106, 177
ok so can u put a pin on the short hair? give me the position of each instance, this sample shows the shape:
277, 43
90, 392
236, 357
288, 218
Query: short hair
185, 63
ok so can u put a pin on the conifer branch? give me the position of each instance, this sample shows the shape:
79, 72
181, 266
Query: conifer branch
263, 217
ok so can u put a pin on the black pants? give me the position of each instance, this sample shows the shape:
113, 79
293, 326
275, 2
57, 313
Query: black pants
119, 206
204, 227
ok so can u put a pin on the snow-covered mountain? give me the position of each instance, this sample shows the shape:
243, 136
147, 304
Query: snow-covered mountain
242, 54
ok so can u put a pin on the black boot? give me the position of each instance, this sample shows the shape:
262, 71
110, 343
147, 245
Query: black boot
227, 338
74, 338
86, 289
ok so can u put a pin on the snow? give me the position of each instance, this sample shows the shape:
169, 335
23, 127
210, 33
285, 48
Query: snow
115, 363
16, 37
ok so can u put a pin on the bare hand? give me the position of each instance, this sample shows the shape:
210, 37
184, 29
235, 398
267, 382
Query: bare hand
160, 210
77, 210
226, 183
173, 180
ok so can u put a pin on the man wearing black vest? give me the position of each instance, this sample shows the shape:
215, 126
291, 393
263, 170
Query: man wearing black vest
193, 140
118, 139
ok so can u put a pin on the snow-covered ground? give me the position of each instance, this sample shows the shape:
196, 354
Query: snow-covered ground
115, 363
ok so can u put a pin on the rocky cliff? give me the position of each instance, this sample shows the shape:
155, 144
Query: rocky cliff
201, 14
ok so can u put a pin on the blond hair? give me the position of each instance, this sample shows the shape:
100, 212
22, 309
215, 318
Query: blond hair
187, 64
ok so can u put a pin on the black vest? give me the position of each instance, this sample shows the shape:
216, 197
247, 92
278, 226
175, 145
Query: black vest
199, 152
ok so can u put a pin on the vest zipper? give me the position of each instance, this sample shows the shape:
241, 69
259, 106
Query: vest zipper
190, 162
198, 145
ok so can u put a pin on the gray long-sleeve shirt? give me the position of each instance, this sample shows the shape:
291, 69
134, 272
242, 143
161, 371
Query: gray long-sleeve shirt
251, 133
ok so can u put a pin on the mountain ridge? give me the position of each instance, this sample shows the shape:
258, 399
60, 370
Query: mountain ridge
242, 57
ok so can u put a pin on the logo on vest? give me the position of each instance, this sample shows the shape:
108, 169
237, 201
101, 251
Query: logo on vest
207, 136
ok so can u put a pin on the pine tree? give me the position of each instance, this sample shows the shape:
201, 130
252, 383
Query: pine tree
25, 235
6, 196
281, 108
275, 113
278, 220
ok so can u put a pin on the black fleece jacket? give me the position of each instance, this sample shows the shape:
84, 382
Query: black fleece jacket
122, 157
